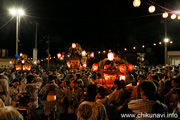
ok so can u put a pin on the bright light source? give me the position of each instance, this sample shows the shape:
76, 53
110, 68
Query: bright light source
104, 51
154, 44
160, 43
99, 52
166, 40
14, 12
143, 46
21, 12
171, 42
125, 49
134, 48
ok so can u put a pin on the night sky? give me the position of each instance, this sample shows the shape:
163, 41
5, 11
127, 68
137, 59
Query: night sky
95, 25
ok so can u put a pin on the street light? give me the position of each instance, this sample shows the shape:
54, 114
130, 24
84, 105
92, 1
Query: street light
18, 12
166, 40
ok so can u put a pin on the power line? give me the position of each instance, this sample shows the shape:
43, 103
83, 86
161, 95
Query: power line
6, 23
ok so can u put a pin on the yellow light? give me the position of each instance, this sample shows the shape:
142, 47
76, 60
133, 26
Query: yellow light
152, 9
173, 16
166, 40
143, 46
178, 17
154, 44
125, 49
171, 42
165, 15
160, 43
136, 3
134, 48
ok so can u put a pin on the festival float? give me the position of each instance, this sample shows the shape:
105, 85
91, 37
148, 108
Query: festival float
22, 63
113, 68
77, 57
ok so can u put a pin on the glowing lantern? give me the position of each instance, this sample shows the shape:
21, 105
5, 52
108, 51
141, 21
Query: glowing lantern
136, 3
122, 68
105, 67
179, 17
11, 62
173, 16
103, 81
68, 64
21, 54
83, 53
34, 62
95, 67
85, 65
59, 55
142, 59
130, 67
23, 61
92, 55
110, 56
165, 15
73, 45
152, 9
123, 77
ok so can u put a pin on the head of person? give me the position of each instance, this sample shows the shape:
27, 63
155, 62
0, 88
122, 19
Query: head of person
101, 92
91, 92
50, 78
148, 90
176, 95
15, 82
10, 113
98, 76
30, 78
175, 81
141, 78
117, 84
93, 78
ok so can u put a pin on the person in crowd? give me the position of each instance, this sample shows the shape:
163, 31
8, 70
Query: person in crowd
4, 87
136, 91
130, 78
12, 96
93, 80
33, 89
147, 104
10, 113
175, 84
101, 98
90, 109
48, 95
85, 79
176, 104
62, 106
98, 79
74, 97
69, 77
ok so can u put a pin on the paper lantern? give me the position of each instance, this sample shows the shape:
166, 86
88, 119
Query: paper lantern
23, 61
152, 9
59, 55
92, 55
136, 3
85, 65
165, 15
110, 56
83, 53
74, 45
173, 16
122, 77
122, 68
130, 67
142, 59
95, 67
11, 62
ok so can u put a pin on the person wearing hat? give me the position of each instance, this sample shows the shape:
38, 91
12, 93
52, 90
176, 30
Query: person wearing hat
3, 88
12, 96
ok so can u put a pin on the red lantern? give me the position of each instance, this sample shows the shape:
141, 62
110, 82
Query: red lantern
136, 3
83, 53
11, 62
74, 45
122, 68
165, 15
59, 55
123, 77
130, 67
105, 67
35, 62
95, 67
103, 81
110, 56
92, 55
142, 59
152, 9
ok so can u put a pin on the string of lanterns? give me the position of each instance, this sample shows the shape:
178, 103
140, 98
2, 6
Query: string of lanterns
152, 8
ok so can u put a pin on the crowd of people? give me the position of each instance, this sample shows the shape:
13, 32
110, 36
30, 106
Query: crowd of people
80, 94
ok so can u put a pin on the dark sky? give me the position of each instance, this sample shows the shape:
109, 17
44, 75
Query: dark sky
109, 24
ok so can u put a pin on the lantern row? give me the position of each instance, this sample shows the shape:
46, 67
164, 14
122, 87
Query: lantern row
152, 8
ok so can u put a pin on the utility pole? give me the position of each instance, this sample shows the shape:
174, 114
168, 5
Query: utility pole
165, 43
48, 53
35, 51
